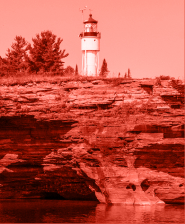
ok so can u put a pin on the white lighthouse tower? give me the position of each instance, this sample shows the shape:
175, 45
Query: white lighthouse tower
90, 46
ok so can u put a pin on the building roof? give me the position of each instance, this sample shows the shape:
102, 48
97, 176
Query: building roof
90, 20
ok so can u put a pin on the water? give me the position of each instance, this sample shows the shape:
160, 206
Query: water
55, 211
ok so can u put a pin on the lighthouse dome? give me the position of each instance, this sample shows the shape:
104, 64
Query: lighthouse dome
90, 20
90, 26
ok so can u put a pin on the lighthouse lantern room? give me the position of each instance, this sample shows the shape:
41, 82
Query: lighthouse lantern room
90, 46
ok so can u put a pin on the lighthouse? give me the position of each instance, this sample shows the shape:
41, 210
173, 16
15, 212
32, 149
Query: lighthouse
90, 46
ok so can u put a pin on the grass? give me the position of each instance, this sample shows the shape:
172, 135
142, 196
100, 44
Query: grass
26, 78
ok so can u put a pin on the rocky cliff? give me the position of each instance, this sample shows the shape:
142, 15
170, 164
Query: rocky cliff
115, 142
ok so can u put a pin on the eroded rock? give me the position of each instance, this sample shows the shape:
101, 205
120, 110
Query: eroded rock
116, 143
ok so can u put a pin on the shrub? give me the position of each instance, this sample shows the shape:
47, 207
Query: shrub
158, 81
69, 70
163, 77
104, 69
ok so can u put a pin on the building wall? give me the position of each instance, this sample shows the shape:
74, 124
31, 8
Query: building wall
90, 62
90, 43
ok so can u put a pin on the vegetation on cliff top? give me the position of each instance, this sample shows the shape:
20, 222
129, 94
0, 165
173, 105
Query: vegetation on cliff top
23, 78
44, 56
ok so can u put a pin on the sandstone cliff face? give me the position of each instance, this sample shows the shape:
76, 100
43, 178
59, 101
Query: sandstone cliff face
120, 143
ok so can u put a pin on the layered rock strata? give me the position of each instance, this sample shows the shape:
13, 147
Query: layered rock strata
115, 143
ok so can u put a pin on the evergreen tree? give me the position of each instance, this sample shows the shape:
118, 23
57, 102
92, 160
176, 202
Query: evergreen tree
76, 70
3, 66
45, 55
129, 74
16, 56
69, 70
104, 68
1, 63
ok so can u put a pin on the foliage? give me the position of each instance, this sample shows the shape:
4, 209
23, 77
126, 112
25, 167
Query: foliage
104, 69
69, 70
1, 61
76, 70
45, 55
163, 77
158, 81
117, 81
178, 85
15, 60
3, 66
23, 78
176, 82
129, 74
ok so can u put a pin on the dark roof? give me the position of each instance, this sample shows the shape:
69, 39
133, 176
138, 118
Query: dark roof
90, 20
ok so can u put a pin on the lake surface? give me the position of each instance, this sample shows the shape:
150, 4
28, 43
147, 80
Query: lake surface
58, 211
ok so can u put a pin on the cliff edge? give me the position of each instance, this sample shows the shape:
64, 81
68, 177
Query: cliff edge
114, 142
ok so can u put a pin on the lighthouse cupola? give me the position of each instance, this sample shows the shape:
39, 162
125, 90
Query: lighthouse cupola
90, 27
90, 46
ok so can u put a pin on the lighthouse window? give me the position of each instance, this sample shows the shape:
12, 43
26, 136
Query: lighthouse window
94, 40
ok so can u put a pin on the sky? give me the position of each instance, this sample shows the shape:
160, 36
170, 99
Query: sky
146, 36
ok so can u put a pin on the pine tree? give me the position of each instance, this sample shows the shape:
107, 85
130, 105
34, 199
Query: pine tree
104, 68
1, 63
76, 70
129, 74
3, 66
16, 56
69, 70
45, 55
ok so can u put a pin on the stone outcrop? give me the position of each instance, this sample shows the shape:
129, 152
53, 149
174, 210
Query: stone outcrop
112, 142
